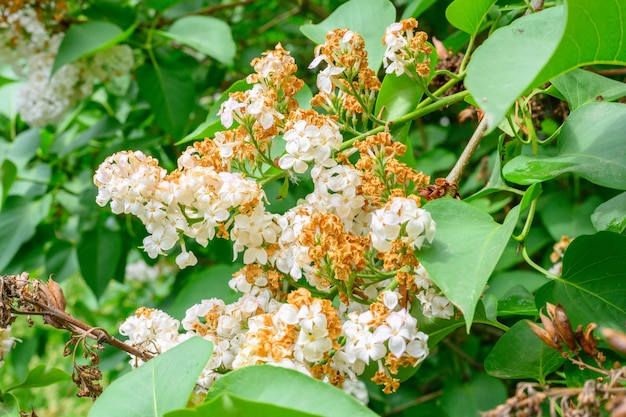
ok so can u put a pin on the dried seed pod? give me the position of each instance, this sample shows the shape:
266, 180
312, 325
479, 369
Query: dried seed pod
563, 325
550, 329
586, 339
544, 336
57, 298
615, 339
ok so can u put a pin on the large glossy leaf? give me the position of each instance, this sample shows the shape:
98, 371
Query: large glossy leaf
593, 285
18, 220
468, 14
479, 394
208, 35
161, 385
611, 214
40, 376
99, 254
466, 249
520, 354
170, 93
84, 39
370, 22
541, 46
580, 87
274, 389
591, 144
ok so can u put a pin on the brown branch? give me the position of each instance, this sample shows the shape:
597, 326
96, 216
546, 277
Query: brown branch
457, 172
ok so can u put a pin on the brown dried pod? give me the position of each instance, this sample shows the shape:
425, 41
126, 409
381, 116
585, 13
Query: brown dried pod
563, 325
586, 339
615, 339
548, 325
544, 336
57, 298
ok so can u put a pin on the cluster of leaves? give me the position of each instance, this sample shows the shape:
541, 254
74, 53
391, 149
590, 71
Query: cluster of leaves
525, 72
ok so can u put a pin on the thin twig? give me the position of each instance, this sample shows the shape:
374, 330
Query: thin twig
455, 174
459, 352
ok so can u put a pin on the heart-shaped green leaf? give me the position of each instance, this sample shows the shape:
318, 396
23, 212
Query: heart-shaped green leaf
591, 144
161, 385
468, 244
532, 358
370, 22
541, 46
593, 285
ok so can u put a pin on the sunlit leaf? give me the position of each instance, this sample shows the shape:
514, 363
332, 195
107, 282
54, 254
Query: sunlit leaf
162, 384
398, 95
467, 15
593, 285
370, 22
541, 46
590, 144
520, 354
8, 172
611, 214
468, 244
277, 390
205, 34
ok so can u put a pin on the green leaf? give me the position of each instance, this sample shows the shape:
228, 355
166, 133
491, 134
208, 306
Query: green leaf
416, 8
611, 215
99, 254
18, 220
9, 406
518, 301
520, 354
580, 87
170, 93
398, 95
593, 285
160, 5
40, 376
481, 393
8, 172
212, 124
437, 329
61, 261
232, 405
370, 22
591, 144
105, 127
84, 39
541, 46
467, 240
208, 35
467, 15
205, 283
287, 389
562, 215
161, 385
